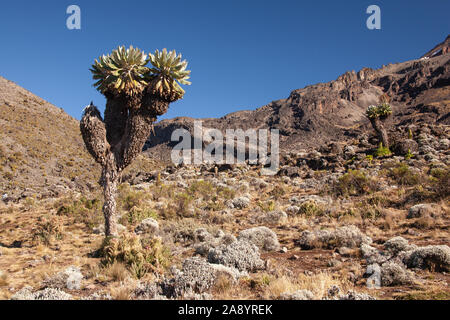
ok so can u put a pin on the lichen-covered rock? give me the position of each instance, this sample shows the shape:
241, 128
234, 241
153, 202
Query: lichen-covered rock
435, 258
394, 274
70, 278
420, 210
262, 237
347, 236
149, 291
241, 202
293, 210
297, 295
373, 274
98, 296
47, 294
198, 296
352, 295
272, 217
324, 201
407, 145
147, 226
334, 294
242, 255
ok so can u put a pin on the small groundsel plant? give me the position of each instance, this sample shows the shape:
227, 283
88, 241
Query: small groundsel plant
139, 255
377, 115
382, 151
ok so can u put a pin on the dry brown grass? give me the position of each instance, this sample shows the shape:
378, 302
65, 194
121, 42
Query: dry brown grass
121, 293
3, 280
318, 284
117, 271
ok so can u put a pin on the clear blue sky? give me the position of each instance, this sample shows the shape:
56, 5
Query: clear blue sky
243, 53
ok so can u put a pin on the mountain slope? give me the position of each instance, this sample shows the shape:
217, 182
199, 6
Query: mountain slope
42, 153
326, 112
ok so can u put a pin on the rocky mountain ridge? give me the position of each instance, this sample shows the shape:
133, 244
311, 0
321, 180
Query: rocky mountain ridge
335, 111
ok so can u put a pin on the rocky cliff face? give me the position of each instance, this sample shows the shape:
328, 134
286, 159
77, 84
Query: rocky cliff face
440, 49
335, 111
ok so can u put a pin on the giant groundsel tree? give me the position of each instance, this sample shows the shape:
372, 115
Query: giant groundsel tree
136, 94
377, 116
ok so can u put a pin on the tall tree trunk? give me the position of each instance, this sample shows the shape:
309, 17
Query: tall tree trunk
381, 131
109, 181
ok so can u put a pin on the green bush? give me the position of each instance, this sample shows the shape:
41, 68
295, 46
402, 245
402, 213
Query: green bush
267, 206
354, 183
47, 231
135, 215
440, 182
87, 211
403, 175
310, 208
129, 198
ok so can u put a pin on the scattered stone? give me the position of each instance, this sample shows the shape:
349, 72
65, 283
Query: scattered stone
67, 279
272, 217
148, 226
324, 201
198, 296
351, 295
419, 210
345, 252
333, 263
98, 296
373, 275
291, 172
241, 203
149, 291
333, 291
297, 295
293, 210
284, 250
407, 145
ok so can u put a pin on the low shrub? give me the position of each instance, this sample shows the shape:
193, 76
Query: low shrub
140, 256
403, 175
47, 231
354, 183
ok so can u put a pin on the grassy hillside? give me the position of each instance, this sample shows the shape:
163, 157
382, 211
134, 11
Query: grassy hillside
42, 153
